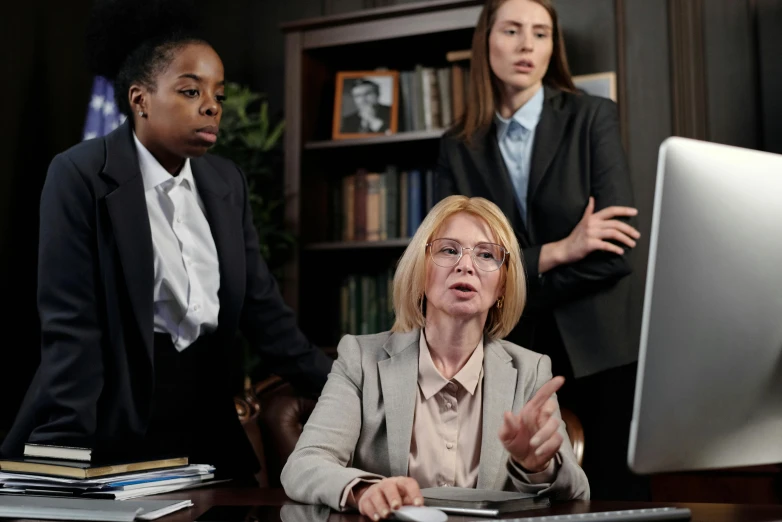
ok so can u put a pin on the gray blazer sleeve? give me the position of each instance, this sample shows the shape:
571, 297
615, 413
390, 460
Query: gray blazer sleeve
570, 481
317, 471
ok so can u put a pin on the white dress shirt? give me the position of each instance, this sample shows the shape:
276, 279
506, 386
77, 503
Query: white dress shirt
187, 271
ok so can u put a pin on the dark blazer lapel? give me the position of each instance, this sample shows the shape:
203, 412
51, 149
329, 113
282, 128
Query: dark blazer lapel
548, 134
487, 158
225, 222
127, 210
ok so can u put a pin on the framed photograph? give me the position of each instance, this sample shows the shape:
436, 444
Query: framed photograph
600, 84
366, 104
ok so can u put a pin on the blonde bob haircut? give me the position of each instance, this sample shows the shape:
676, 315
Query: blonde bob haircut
410, 277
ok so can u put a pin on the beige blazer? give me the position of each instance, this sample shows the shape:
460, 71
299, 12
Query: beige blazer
363, 422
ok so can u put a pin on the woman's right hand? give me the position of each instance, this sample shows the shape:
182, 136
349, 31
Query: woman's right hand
595, 229
379, 500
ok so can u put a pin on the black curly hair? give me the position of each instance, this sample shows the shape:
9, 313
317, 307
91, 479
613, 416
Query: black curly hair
132, 42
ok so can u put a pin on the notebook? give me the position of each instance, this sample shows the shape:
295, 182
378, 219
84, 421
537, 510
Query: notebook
87, 509
85, 470
481, 502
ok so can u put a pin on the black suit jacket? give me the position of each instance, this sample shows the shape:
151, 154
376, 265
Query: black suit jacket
352, 122
94, 386
577, 153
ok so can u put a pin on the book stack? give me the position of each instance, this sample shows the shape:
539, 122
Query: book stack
69, 471
434, 97
376, 206
366, 303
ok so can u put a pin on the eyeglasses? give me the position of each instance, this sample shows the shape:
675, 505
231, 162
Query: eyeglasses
485, 256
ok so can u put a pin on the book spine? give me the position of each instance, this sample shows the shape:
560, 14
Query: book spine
372, 232
429, 179
360, 205
457, 91
348, 206
383, 207
414, 202
444, 83
355, 304
403, 204
392, 202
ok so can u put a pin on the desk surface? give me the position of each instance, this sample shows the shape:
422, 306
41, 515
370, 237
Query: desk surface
274, 506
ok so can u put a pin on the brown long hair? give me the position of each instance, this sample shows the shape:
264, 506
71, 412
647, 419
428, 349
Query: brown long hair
484, 89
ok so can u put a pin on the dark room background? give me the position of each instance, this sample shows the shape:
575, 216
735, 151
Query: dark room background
707, 69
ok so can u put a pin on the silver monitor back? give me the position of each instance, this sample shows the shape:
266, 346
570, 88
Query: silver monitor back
709, 387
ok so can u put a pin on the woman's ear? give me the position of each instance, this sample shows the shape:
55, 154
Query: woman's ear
137, 96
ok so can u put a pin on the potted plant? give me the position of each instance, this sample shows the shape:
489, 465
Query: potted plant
250, 139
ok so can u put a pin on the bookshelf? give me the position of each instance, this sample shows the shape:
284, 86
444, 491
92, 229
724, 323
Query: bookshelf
397, 38
400, 137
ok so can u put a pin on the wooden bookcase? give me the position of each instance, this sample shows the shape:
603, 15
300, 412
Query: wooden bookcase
395, 38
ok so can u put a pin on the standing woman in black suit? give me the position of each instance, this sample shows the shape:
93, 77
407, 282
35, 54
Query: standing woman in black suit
551, 158
149, 265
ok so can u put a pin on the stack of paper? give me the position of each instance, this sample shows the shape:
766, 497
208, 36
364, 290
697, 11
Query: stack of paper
87, 509
117, 487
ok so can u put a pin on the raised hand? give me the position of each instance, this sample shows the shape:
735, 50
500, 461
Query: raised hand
532, 436
595, 229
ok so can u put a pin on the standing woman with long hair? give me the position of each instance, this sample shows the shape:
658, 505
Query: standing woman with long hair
551, 158
149, 265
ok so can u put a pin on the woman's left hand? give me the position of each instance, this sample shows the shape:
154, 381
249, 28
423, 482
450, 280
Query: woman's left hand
532, 437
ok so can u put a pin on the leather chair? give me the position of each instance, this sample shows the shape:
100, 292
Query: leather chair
273, 415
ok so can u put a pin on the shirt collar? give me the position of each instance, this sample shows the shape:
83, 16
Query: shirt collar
153, 173
528, 115
432, 381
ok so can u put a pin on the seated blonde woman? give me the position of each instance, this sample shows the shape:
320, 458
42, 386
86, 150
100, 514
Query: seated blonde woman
440, 400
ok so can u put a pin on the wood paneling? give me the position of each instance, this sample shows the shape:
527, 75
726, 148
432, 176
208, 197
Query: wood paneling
769, 45
648, 116
731, 73
688, 79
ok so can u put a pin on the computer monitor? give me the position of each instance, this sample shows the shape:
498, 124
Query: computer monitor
709, 384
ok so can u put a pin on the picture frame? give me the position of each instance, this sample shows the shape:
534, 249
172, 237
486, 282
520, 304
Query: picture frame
366, 103
598, 84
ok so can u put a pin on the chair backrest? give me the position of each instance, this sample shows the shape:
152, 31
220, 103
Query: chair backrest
274, 417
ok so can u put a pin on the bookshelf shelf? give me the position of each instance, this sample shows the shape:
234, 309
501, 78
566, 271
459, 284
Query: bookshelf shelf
400, 137
350, 245
378, 186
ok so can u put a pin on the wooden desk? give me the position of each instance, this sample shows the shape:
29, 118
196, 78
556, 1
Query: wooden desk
274, 506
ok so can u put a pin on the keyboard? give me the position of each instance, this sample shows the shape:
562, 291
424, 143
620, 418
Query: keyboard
630, 515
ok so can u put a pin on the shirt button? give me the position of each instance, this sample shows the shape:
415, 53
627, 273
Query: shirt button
448, 405
449, 445
179, 219
196, 307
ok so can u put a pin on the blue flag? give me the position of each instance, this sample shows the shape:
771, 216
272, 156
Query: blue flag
102, 114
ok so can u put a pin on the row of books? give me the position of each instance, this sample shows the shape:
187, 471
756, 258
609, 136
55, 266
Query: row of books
432, 97
366, 303
376, 206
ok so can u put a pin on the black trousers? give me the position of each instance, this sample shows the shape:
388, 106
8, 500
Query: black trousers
603, 402
192, 416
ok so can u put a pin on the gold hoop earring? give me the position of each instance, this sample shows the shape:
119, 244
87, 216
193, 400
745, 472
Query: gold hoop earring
500, 302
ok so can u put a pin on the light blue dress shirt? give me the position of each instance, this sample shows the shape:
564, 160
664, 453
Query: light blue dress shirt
516, 136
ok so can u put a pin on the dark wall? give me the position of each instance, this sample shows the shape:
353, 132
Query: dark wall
769, 40
731, 73
648, 117
46, 89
